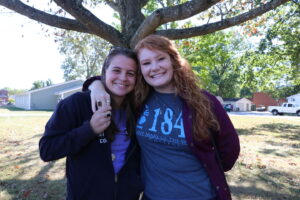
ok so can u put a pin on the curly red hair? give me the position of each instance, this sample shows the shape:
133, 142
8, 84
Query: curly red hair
186, 83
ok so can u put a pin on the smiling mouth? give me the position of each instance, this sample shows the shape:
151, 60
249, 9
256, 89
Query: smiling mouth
121, 85
157, 75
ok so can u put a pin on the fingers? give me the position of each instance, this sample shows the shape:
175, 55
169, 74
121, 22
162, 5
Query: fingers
107, 100
103, 100
93, 102
101, 119
99, 98
107, 114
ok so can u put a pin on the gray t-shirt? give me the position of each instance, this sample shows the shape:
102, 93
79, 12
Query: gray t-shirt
169, 169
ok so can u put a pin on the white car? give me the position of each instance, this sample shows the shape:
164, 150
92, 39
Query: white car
285, 108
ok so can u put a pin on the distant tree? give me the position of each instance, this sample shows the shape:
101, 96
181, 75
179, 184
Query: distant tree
48, 82
40, 84
213, 59
11, 101
14, 91
246, 92
84, 53
283, 40
37, 84
285, 91
274, 67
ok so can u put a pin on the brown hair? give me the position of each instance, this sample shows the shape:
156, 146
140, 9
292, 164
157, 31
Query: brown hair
128, 102
186, 84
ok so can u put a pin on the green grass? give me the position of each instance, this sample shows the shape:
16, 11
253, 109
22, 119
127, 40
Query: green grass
268, 166
13, 110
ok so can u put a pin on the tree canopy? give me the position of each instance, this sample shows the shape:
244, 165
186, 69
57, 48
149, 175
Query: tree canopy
139, 18
84, 54
213, 58
40, 84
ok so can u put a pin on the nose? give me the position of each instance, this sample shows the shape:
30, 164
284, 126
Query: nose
123, 76
155, 66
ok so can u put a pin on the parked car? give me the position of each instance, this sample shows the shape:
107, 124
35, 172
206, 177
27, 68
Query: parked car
285, 108
260, 108
228, 107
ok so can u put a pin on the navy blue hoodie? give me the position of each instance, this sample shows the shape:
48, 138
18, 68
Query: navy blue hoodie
89, 169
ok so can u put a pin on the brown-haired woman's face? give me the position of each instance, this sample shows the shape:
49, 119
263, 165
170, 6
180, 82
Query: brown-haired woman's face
120, 76
157, 69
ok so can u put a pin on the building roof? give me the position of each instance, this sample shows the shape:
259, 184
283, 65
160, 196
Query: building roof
294, 95
3, 93
231, 99
68, 90
51, 86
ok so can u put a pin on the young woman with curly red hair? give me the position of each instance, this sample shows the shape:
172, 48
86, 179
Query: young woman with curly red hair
187, 139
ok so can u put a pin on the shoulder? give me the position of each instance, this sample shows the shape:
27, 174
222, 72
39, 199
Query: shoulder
208, 94
213, 99
72, 107
215, 104
88, 82
78, 98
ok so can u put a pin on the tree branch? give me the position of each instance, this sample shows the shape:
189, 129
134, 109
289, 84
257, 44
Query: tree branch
170, 14
113, 5
143, 2
226, 23
90, 21
43, 17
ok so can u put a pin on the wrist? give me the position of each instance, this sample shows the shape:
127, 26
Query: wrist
95, 84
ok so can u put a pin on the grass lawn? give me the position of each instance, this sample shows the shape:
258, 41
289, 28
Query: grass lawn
269, 163
14, 110
268, 167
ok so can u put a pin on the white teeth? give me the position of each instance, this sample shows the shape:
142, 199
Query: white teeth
157, 75
121, 85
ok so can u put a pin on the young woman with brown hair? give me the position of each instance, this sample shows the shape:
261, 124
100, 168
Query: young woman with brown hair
101, 148
187, 139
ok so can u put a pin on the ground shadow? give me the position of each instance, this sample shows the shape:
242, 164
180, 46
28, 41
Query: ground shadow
248, 131
25, 176
36, 188
292, 131
265, 185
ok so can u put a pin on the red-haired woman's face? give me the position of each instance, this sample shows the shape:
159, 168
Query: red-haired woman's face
157, 69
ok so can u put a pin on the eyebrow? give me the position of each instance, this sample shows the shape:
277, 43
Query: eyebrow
116, 66
147, 59
156, 56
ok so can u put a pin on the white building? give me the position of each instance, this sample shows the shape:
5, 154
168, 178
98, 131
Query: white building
294, 99
239, 104
47, 98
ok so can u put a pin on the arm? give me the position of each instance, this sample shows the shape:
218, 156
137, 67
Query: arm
88, 82
98, 92
66, 133
226, 139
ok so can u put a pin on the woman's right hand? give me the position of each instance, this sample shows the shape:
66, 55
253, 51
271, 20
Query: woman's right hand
99, 97
101, 119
